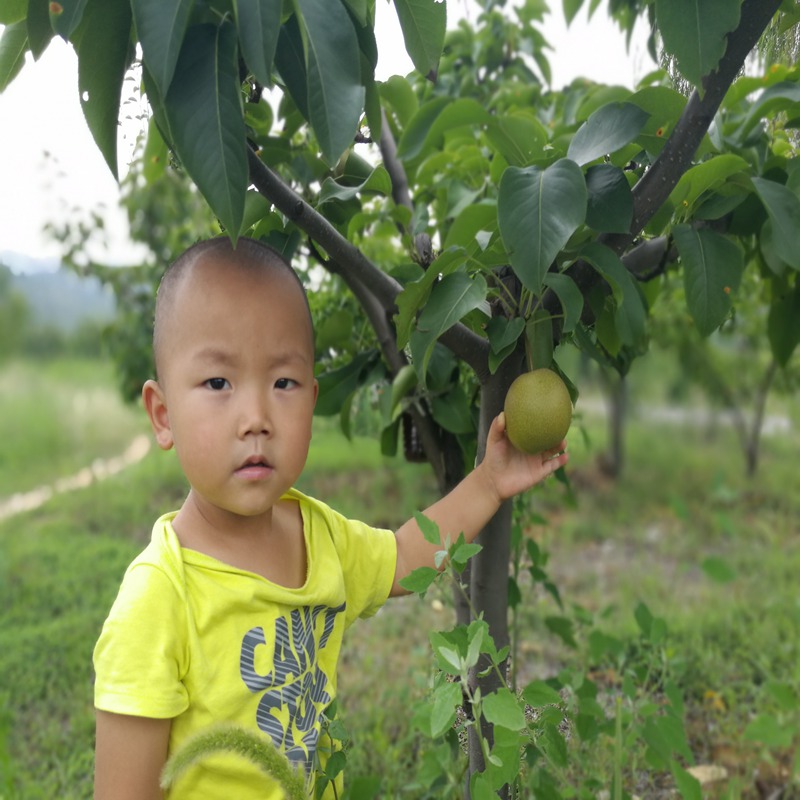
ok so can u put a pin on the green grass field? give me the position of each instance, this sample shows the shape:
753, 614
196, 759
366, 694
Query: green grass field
714, 555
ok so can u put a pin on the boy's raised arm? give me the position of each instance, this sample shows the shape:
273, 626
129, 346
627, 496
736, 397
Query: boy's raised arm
130, 753
503, 473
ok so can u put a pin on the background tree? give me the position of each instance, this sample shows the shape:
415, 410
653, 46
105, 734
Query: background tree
497, 221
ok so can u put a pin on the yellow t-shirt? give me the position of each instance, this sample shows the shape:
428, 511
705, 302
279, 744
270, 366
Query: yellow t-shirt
195, 640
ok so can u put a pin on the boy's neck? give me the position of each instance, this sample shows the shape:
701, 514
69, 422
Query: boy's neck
270, 544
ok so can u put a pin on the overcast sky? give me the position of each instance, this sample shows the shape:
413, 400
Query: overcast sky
50, 169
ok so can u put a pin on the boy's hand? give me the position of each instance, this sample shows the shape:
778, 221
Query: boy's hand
510, 471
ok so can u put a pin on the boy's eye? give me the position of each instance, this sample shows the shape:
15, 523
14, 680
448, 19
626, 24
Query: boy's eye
217, 384
284, 383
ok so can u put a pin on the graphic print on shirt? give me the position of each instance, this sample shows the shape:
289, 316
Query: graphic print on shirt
295, 690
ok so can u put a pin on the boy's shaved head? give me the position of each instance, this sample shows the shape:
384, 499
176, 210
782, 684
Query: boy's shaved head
249, 255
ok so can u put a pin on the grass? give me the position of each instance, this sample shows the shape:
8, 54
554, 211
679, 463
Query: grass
658, 536
49, 412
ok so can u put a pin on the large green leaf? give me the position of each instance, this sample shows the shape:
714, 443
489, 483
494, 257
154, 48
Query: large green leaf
206, 122
66, 15
40, 31
695, 32
606, 131
423, 23
335, 91
630, 315
664, 106
13, 45
610, 207
537, 211
783, 325
102, 61
258, 23
338, 384
712, 272
161, 27
783, 208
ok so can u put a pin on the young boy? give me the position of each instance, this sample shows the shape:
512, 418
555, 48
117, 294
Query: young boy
235, 611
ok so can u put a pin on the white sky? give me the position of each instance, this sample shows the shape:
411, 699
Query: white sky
51, 170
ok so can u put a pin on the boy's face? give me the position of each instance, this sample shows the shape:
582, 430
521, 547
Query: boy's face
237, 390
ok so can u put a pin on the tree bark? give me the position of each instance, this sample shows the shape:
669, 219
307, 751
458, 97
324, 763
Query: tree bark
489, 578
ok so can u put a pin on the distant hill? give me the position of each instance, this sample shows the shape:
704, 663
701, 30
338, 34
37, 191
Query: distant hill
56, 296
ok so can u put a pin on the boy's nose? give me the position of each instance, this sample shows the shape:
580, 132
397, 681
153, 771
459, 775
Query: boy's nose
255, 415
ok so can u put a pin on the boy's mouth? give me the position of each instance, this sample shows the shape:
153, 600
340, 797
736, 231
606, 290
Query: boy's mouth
255, 466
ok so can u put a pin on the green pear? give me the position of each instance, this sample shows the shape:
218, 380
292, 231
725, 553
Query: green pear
538, 411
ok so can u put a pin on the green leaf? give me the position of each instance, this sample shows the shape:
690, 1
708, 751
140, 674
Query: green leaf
430, 530
12, 11
258, 23
423, 23
378, 182
538, 693
718, 570
712, 271
399, 97
420, 580
519, 138
102, 62
206, 120
783, 325
470, 221
452, 298
570, 297
335, 92
768, 730
66, 15
630, 317
338, 384
40, 31
564, 628
571, 8
610, 207
538, 210
416, 132
695, 32
609, 129
783, 207
706, 177
443, 713
783, 97
502, 708
161, 28
453, 411
13, 45
687, 784
290, 60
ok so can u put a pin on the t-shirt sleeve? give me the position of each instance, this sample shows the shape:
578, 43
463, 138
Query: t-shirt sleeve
368, 557
140, 658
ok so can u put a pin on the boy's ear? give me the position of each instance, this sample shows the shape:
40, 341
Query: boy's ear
155, 404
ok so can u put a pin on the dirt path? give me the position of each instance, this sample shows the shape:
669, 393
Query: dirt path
99, 470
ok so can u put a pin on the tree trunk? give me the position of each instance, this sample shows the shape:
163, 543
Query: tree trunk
489, 579
617, 395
